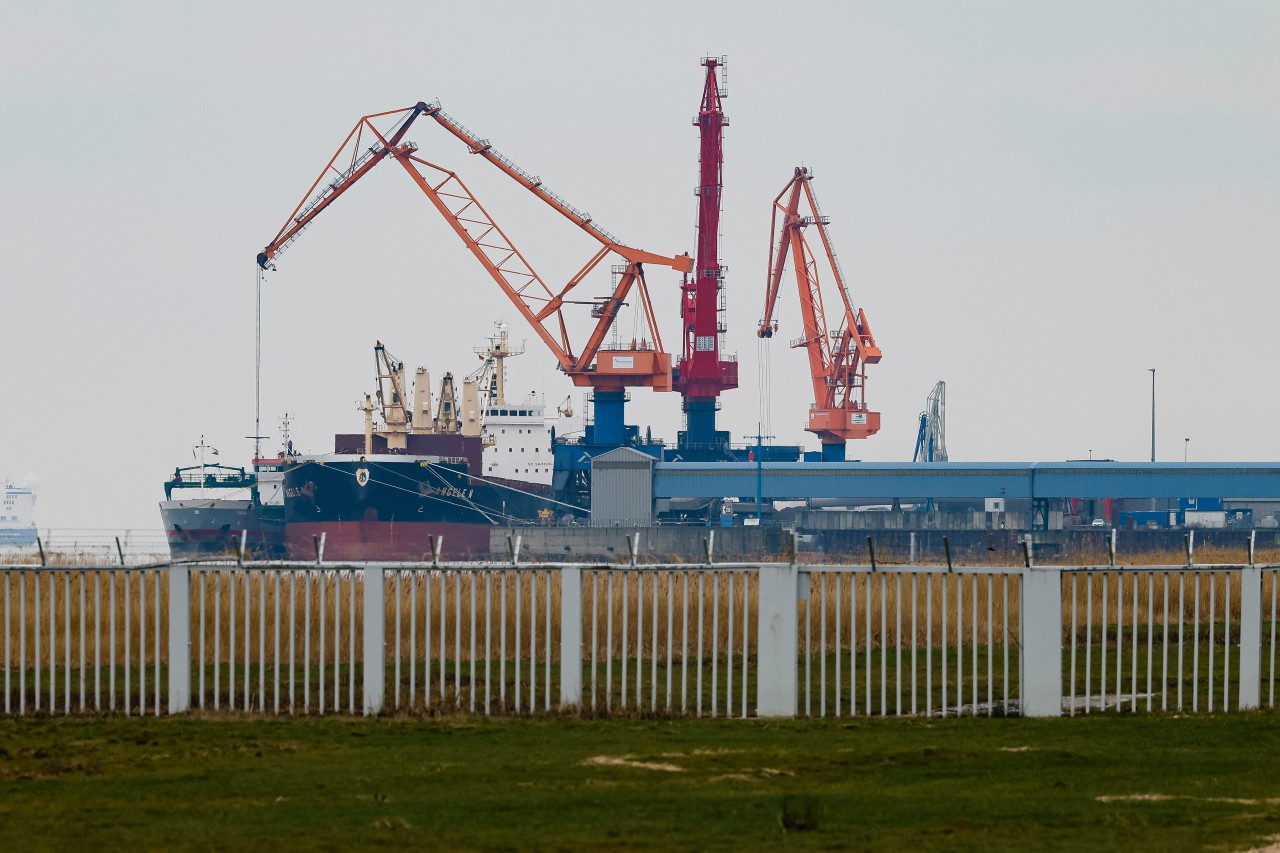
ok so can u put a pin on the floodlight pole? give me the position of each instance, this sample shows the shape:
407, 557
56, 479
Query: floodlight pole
759, 454
1153, 413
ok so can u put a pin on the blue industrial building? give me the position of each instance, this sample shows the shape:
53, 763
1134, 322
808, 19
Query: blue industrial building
1149, 491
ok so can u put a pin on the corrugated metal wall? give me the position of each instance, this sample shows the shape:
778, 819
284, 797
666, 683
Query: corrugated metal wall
622, 489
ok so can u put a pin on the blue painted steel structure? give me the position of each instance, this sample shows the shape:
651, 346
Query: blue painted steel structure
921, 481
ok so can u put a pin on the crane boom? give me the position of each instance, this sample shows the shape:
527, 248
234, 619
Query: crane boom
476, 145
337, 181
643, 363
837, 359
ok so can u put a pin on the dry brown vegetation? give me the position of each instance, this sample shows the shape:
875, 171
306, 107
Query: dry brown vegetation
230, 607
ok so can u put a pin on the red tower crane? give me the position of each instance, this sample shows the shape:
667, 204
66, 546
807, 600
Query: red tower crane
701, 373
642, 362
837, 359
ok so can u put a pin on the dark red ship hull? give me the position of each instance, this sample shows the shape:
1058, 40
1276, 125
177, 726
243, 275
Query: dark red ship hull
396, 541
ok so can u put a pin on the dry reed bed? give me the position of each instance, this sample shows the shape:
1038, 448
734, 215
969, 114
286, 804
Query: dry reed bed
445, 599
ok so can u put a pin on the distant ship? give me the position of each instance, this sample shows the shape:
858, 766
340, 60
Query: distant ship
439, 470
17, 515
215, 505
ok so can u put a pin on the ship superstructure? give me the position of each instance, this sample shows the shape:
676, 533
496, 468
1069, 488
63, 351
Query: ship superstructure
518, 443
517, 435
17, 515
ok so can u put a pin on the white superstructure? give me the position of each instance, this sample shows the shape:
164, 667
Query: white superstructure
19, 505
17, 515
517, 436
517, 441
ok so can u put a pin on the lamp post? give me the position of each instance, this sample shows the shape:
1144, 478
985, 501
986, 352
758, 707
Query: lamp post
759, 454
1153, 413
1186, 446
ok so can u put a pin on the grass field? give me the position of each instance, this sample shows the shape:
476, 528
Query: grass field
1102, 783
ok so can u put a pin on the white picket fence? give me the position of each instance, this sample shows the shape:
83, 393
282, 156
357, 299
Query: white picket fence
721, 639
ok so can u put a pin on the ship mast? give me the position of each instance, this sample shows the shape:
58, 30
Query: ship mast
286, 443
201, 448
498, 351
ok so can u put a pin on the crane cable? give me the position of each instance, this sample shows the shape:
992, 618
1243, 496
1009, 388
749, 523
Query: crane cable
764, 383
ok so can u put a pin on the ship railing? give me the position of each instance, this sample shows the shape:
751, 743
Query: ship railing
210, 481
706, 638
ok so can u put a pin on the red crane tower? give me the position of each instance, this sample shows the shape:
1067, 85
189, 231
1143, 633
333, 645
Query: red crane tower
701, 374
837, 359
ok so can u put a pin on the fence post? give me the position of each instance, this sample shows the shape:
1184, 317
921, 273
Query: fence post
571, 637
1250, 636
1041, 659
776, 631
375, 637
179, 639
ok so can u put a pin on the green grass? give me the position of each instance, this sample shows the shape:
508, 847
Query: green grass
640, 783
882, 663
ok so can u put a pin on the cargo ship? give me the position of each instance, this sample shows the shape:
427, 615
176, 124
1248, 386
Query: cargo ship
437, 471
215, 505
17, 515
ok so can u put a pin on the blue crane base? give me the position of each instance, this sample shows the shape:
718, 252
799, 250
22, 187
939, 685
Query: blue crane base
700, 441
832, 452
571, 479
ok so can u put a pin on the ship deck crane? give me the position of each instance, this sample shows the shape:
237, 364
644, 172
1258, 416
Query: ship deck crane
838, 358
608, 371
391, 395
701, 374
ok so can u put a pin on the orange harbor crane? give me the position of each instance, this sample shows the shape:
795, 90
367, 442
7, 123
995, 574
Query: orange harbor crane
837, 359
701, 373
642, 363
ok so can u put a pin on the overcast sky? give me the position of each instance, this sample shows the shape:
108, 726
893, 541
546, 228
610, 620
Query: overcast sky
1034, 203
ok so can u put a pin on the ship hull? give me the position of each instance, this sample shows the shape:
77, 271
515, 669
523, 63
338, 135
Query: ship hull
17, 537
212, 527
390, 507
396, 541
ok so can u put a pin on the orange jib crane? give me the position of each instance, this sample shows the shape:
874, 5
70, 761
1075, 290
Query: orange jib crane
837, 359
640, 363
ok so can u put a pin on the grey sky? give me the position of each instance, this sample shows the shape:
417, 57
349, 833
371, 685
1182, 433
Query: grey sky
1035, 203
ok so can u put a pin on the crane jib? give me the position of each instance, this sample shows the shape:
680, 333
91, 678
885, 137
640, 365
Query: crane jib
642, 363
